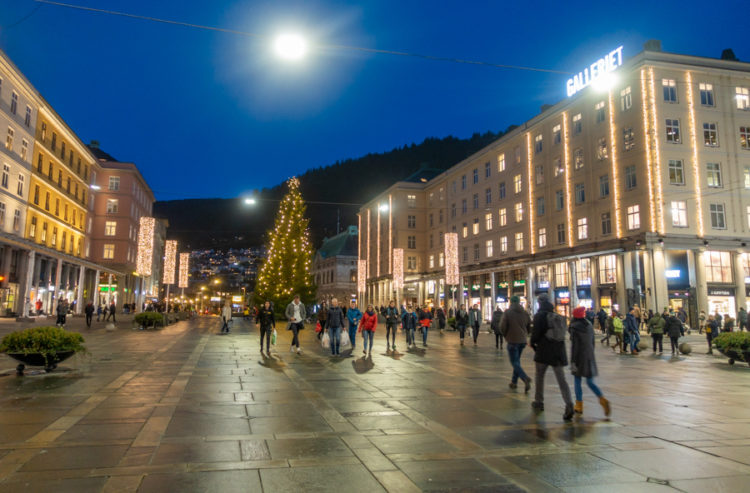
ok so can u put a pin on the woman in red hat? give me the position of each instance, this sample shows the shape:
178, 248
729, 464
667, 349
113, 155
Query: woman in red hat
582, 361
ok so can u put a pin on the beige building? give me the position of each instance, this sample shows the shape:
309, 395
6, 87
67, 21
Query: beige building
335, 267
634, 193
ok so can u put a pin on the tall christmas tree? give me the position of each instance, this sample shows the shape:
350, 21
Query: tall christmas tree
288, 265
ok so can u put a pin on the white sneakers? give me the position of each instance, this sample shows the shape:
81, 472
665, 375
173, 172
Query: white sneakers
299, 350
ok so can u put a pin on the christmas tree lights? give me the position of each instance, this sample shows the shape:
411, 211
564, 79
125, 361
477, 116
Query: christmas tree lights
145, 255
184, 272
170, 258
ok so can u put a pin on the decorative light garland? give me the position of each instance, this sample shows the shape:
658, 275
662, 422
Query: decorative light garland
529, 164
145, 256
696, 165
184, 270
657, 160
568, 178
451, 258
361, 273
615, 169
170, 258
398, 268
649, 164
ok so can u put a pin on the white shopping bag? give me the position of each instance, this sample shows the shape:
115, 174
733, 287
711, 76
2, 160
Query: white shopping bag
344, 338
326, 341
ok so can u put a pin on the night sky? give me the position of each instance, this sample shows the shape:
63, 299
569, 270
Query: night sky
207, 114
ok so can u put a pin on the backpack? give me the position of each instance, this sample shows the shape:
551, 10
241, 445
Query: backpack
617, 324
556, 327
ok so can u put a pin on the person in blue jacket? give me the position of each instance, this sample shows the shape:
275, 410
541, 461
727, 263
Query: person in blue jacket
409, 320
354, 316
631, 329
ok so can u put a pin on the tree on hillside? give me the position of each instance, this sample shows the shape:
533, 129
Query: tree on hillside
288, 265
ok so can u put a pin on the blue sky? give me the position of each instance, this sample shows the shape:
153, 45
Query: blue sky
207, 114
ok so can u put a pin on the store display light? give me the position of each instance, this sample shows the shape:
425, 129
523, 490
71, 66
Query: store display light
184, 270
170, 258
145, 256
451, 258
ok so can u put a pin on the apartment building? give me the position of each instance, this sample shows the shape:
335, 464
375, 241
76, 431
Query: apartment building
335, 267
633, 192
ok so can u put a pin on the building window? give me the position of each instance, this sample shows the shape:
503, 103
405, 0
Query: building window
742, 96
517, 187
110, 228
746, 176
626, 99
476, 251
519, 212
503, 217
607, 269
17, 220
501, 163
628, 138
488, 221
577, 124
411, 242
432, 262
53, 240
36, 194
718, 266
538, 141
676, 172
453, 211
504, 244
583, 228
57, 207
583, 272
440, 215
501, 190
24, 149
745, 137
634, 217
59, 178
39, 163
630, 178
578, 158
13, 103
464, 207
517, 155
558, 200
411, 222
670, 90
542, 237
475, 200
19, 190
561, 233
604, 186
32, 227
27, 118
487, 170
112, 206
718, 219
539, 174
465, 254
441, 260
53, 143
713, 175
561, 274
114, 183
488, 245
540, 206
109, 251
599, 110
748, 216
488, 196
9, 139
475, 176
2, 214
710, 135
673, 130
557, 165
465, 230
601, 149
6, 175
606, 223
475, 226
411, 201
432, 220
463, 182
580, 193
679, 214
46, 201
519, 242
43, 237
707, 94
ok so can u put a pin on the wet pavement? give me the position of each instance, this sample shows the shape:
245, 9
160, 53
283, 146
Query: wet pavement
185, 409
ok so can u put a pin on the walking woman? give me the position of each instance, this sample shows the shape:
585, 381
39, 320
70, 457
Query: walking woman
712, 330
673, 329
425, 320
462, 321
497, 315
267, 323
474, 320
582, 361
322, 318
367, 329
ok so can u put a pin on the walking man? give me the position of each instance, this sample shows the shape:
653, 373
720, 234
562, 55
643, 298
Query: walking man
409, 320
391, 323
515, 328
462, 321
226, 317
742, 319
112, 309
497, 316
353, 315
440, 314
474, 321
656, 328
548, 342
335, 319
89, 313
295, 313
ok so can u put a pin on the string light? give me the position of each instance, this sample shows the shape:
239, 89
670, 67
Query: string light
368, 244
361, 273
390, 233
657, 160
696, 165
647, 138
170, 257
615, 170
184, 270
568, 177
451, 258
398, 268
529, 165
377, 257
145, 256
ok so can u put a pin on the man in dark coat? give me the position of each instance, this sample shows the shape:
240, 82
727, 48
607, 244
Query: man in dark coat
673, 328
497, 316
548, 352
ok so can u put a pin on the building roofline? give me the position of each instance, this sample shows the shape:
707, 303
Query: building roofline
127, 166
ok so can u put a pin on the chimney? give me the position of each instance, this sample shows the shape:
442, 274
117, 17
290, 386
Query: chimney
94, 144
728, 54
652, 45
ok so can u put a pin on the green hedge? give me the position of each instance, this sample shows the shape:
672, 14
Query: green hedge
736, 341
47, 341
149, 319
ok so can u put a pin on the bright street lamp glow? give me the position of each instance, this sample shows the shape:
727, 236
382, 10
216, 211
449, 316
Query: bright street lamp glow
250, 201
383, 207
290, 46
605, 82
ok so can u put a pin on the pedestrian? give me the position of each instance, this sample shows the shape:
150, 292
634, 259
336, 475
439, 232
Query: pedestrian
718, 320
682, 315
728, 323
425, 320
39, 305
440, 314
367, 328
390, 313
322, 317
474, 319
335, 320
631, 331
226, 317
61, 311
515, 328
462, 321
497, 316
618, 327
548, 343
267, 321
602, 316
89, 310
637, 315
112, 310
701, 322
295, 313
582, 360
712, 330
409, 323
656, 326
353, 315
742, 319
673, 328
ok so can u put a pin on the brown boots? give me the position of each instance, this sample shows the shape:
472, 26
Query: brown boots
578, 408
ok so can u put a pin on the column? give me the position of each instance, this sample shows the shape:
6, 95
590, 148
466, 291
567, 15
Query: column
493, 290
701, 288
594, 266
654, 270
572, 285
622, 299
739, 280
109, 291
531, 289
462, 299
79, 297
27, 272
57, 283
95, 294
6, 260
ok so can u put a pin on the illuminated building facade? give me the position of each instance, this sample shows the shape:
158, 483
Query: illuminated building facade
634, 192
335, 267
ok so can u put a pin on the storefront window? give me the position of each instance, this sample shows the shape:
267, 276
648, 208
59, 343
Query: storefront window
542, 276
718, 266
583, 272
746, 266
607, 269
561, 274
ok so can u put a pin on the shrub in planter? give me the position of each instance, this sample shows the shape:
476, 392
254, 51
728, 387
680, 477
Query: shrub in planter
149, 319
451, 322
50, 344
736, 345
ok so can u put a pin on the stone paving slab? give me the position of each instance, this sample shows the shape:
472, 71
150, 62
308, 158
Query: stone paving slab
185, 409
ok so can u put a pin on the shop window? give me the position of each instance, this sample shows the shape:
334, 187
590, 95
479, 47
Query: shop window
607, 269
718, 266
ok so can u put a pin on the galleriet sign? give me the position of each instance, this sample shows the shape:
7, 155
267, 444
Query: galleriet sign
595, 71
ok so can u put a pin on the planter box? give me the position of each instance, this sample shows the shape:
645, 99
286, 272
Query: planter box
37, 359
736, 355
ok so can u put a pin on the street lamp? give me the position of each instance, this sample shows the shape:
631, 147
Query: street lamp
290, 46
250, 201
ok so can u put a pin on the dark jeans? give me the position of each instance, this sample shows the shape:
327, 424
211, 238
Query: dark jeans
541, 369
424, 335
335, 334
658, 341
709, 338
295, 328
742, 326
475, 332
367, 335
352, 334
88, 319
514, 352
265, 332
461, 330
112, 316
225, 325
499, 340
390, 328
673, 340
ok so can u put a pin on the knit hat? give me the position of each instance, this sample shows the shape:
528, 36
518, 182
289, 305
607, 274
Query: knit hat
515, 299
543, 297
579, 312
